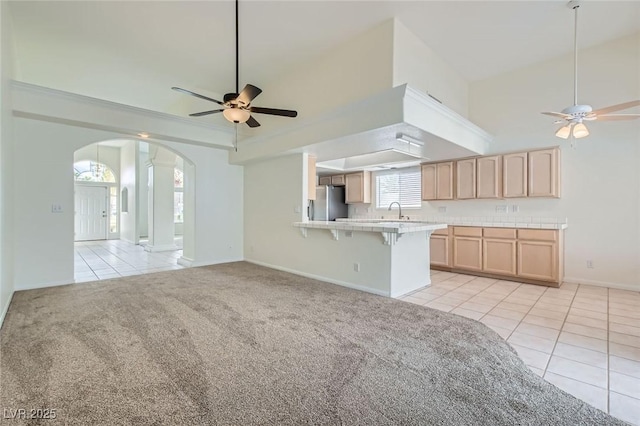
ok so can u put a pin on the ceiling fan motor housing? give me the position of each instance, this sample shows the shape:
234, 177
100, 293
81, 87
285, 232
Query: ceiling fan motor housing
578, 111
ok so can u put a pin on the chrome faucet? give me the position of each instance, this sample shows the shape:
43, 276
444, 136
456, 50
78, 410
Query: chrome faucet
399, 209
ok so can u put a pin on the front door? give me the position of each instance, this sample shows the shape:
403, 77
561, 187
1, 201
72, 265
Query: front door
91, 213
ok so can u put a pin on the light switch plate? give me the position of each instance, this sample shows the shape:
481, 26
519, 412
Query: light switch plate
501, 209
442, 209
56, 208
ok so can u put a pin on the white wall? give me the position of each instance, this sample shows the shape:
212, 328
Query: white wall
274, 189
419, 66
349, 72
143, 194
6, 162
44, 175
600, 178
128, 171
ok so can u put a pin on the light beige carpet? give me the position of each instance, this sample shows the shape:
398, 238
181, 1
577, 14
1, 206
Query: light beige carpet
240, 344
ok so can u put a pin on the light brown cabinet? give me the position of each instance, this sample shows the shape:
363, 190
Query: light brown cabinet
528, 255
324, 180
437, 181
544, 170
514, 175
311, 178
466, 179
489, 177
338, 180
467, 248
358, 187
499, 256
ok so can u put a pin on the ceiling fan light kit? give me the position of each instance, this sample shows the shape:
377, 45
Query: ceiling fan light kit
573, 116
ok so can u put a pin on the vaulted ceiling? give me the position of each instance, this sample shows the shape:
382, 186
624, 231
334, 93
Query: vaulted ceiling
133, 51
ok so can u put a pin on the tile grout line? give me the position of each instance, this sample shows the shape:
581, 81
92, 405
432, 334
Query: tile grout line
502, 300
564, 321
525, 315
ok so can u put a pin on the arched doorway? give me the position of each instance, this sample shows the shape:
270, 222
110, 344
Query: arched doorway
118, 188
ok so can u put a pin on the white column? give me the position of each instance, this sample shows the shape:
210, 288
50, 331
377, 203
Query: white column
161, 187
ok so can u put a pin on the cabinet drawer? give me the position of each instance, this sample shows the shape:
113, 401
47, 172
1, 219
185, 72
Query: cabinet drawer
444, 231
467, 231
508, 233
538, 234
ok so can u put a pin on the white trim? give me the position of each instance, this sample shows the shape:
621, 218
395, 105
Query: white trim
185, 261
319, 278
157, 248
215, 262
5, 309
45, 285
621, 286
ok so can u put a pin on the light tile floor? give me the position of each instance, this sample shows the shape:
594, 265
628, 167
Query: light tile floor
101, 260
583, 339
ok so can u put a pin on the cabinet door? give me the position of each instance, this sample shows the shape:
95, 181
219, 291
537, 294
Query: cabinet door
444, 181
428, 181
324, 180
514, 175
311, 178
538, 260
544, 170
490, 177
466, 179
353, 188
439, 249
337, 180
499, 256
467, 253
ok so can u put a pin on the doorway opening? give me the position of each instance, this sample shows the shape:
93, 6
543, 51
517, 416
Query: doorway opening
134, 210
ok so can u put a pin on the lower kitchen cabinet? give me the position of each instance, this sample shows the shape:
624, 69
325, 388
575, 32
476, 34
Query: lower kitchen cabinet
467, 253
499, 256
527, 255
439, 249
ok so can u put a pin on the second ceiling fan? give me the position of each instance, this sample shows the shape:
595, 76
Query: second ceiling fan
237, 106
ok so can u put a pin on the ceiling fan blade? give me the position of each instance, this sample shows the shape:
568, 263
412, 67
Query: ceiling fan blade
274, 111
252, 122
618, 107
616, 117
188, 92
248, 94
557, 114
200, 114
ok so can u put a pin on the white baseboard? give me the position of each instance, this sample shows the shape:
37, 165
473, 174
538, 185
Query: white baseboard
5, 309
185, 261
196, 264
45, 285
319, 278
596, 283
166, 247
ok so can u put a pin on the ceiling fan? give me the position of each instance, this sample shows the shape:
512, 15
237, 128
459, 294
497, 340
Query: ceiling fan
237, 106
573, 117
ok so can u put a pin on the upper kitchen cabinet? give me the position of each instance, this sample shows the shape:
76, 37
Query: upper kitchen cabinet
544, 173
489, 177
514, 175
466, 179
358, 187
437, 181
337, 180
324, 180
311, 178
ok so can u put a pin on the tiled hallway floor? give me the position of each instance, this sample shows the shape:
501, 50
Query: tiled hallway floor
583, 339
99, 260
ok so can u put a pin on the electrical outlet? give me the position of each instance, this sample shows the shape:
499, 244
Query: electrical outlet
348, 234
442, 209
501, 209
56, 208
356, 267
590, 264
515, 208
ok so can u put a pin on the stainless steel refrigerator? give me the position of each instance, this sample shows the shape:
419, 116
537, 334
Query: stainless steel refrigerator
329, 203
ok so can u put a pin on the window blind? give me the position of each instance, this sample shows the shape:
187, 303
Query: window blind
400, 185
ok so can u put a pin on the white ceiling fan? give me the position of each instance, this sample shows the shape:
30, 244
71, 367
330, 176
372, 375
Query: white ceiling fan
573, 117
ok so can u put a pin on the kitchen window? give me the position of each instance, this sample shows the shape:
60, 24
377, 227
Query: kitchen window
399, 185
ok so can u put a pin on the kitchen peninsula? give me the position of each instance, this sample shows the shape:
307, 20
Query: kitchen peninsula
400, 251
